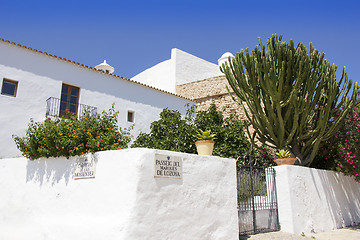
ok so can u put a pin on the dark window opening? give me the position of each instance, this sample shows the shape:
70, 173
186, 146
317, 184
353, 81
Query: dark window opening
9, 87
69, 100
130, 116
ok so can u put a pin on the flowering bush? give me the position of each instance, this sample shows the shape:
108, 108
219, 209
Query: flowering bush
342, 152
73, 136
349, 149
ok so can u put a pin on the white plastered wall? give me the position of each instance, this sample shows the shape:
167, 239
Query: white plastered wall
181, 68
312, 200
41, 200
40, 77
161, 76
190, 68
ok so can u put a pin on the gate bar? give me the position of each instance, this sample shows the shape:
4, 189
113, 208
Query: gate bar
252, 195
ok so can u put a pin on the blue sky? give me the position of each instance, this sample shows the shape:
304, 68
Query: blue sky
135, 35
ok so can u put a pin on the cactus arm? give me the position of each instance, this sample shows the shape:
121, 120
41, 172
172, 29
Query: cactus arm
290, 93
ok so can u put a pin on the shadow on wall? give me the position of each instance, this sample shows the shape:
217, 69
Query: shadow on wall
50, 170
342, 197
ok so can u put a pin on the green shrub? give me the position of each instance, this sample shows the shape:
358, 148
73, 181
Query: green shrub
73, 136
231, 141
171, 132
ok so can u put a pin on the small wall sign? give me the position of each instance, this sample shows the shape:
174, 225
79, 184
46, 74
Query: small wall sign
168, 166
85, 167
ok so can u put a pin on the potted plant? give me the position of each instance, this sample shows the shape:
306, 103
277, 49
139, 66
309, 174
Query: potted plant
205, 143
284, 158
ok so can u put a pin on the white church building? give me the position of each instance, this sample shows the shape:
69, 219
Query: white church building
35, 85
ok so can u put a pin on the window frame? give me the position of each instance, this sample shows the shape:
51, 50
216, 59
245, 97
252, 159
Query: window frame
132, 118
9, 81
67, 102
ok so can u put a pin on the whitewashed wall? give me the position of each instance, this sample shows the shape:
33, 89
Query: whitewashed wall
161, 76
181, 68
190, 68
313, 200
41, 77
41, 200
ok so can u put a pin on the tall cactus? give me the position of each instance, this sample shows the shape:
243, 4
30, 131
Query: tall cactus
290, 94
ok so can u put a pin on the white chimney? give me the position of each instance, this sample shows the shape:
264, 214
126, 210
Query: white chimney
224, 58
105, 67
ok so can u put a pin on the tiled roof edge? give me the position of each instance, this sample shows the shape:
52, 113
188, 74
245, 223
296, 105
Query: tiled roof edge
91, 68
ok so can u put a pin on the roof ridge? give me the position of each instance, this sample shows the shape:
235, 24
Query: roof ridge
92, 68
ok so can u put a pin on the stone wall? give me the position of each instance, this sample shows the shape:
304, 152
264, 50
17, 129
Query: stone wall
211, 90
203, 88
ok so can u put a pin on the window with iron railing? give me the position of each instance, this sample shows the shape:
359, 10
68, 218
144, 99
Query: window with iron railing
69, 100
53, 108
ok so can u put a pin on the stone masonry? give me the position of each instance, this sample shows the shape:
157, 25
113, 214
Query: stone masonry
211, 90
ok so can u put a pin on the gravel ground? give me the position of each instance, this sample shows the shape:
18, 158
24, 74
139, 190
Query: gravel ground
349, 233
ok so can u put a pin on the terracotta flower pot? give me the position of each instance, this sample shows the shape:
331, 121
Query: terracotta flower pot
205, 147
285, 161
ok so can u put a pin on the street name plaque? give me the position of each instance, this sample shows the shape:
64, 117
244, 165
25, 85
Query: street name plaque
168, 166
85, 167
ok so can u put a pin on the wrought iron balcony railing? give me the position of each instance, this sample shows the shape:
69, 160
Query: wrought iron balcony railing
57, 108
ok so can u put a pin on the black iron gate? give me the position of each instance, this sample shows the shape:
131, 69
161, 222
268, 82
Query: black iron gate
257, 202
